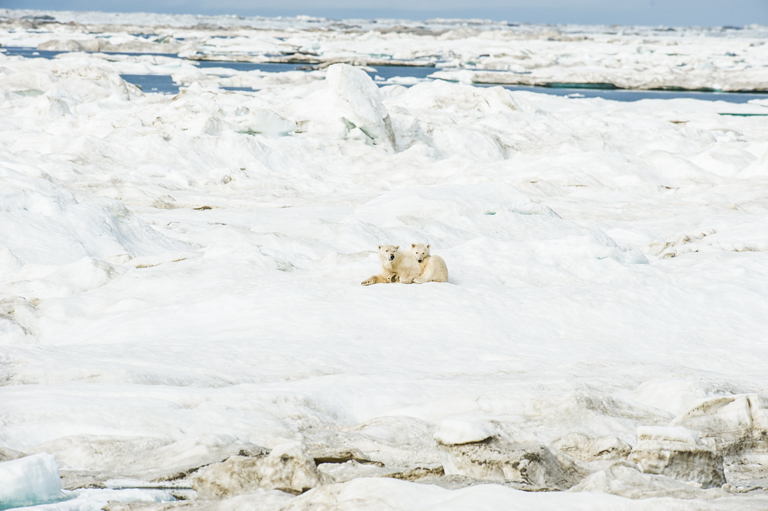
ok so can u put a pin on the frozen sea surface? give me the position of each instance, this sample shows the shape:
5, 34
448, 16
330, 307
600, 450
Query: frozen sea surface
382, 75
472, 51
181, 311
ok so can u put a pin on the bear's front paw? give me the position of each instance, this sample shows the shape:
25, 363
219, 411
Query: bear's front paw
393, 278
368, 282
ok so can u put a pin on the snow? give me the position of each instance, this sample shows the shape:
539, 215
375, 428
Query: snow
455, 432
180, 276
97, 499
671, 434
28, 481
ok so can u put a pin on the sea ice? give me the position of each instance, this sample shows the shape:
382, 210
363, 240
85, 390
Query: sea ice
584, 448
502, 458
360, 103
29, 481
455, 432
678, 453
179, 274
286, 468
625, 479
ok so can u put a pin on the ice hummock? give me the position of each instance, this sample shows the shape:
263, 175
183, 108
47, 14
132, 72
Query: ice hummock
30, 481
456, 432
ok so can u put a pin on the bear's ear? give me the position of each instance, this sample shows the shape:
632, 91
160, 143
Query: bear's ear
379, 247
398, 246
427, 246
413, 245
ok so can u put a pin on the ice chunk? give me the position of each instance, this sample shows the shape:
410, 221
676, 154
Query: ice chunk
287, 468
667, 434
624, 479
7, 454
265, 122
147, 458
359, 101
456, 432
29, 481
502, 459
678, 453
439, 95
737, 428
585, 448
724, 422
675, 395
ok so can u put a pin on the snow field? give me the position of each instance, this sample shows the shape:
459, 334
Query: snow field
180, 285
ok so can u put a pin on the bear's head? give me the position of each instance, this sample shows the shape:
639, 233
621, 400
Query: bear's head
420, 250
388, 252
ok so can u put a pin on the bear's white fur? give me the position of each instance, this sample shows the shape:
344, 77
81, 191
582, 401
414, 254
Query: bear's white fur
396, 266
433, 268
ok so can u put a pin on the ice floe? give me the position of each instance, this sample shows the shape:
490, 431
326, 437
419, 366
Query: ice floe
180, 308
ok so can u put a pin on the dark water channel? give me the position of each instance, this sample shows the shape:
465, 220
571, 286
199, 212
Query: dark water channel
165, 85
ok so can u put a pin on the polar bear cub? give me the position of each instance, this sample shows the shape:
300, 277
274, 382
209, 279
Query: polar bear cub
396, 266
433, 268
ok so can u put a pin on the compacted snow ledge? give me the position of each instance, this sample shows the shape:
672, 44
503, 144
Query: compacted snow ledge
181, 316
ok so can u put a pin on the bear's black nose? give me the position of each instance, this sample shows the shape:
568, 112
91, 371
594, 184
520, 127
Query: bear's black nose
391, 258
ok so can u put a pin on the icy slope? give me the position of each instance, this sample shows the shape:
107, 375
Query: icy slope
181, 287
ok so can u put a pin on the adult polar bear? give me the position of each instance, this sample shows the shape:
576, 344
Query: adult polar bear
433, 268
396, 266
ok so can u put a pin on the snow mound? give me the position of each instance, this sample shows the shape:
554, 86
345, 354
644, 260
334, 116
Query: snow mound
395, 495
447, 203
9, 265
29, 481
68, 280
456, 432
260, 500
440, 95
264, 121
493, 225
146, 458
65, 83
676, 395
41, 223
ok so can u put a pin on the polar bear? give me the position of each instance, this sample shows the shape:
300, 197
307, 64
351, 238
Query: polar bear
433, 268
396, 266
